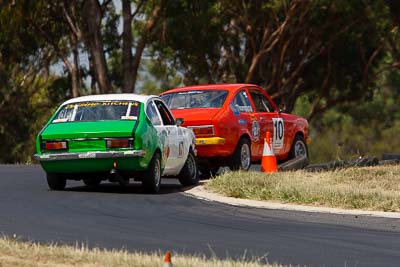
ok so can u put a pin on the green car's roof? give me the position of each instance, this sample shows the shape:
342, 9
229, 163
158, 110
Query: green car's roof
110, 97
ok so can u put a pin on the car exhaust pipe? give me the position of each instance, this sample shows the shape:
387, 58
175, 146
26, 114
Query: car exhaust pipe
117, 177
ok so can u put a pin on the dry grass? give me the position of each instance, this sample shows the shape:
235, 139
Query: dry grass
369, 188
25, 254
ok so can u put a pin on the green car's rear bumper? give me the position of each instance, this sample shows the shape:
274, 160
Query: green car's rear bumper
90, 155
94, 161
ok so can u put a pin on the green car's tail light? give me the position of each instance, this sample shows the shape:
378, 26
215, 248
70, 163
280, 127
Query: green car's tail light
55, 145
120, 143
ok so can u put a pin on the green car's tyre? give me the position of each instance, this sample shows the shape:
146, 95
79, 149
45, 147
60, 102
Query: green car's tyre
241, 158
56, 182
92, 182
152, 177
189, 174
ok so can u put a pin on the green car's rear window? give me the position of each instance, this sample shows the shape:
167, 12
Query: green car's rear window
98, 111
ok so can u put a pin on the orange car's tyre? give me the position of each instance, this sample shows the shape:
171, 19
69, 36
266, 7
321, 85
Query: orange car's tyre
92, 182
207, 172
152, 177
56, 182
299, 148
241, 158
189, 174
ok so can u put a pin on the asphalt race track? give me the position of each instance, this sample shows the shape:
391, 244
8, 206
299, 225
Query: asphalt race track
118, 217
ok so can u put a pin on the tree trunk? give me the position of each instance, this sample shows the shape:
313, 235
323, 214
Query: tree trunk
70, 10
75, 73
142, 43
127, 57
251, 73
95, 45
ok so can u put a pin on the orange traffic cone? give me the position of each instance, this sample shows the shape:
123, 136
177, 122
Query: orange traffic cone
167, 259
268, 161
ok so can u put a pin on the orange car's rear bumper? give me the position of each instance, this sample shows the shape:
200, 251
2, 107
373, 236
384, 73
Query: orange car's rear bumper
212, 147
210, 141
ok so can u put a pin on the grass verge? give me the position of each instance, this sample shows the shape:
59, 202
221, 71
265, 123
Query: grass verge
370, 188
27, 254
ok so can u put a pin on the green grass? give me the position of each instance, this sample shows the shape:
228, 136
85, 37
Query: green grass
26, 254
371, 188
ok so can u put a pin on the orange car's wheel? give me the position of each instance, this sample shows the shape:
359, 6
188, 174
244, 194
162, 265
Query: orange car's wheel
241, 158
208, 172
299, 148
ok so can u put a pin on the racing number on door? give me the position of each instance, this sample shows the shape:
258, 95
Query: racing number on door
279, 132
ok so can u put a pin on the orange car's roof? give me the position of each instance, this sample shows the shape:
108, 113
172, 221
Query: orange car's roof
229, 87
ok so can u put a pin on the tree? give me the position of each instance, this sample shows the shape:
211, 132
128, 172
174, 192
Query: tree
57, 25
328, 50
127, 42
24, 74
93, 15
189, 37
71, 17
131, 63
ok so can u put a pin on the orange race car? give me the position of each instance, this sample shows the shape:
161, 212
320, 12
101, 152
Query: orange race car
230, 122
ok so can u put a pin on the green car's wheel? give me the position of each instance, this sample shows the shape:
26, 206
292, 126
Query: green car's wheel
189, 174
241, 158
152, 177
56, 182
92, 182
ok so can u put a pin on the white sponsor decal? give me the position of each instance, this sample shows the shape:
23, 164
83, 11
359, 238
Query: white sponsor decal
255, 130
87, 156
181, 150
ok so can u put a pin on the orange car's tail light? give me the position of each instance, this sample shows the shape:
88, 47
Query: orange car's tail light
55, 145
203, 131
119, 143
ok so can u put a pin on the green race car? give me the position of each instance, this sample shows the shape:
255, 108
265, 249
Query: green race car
116, 137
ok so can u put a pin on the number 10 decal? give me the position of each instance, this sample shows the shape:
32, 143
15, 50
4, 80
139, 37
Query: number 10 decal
279, 132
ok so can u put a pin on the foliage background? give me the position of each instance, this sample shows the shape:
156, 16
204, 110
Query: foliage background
333, 62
